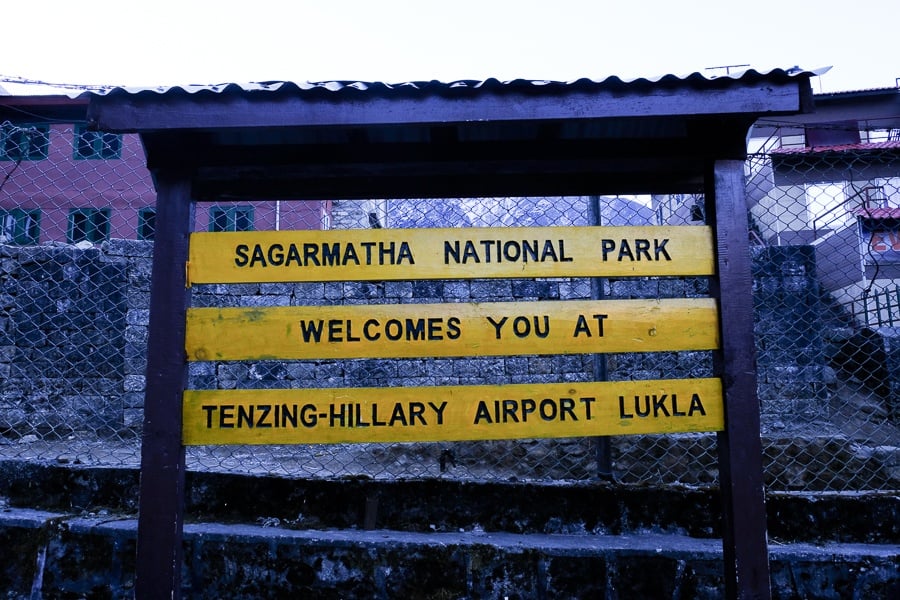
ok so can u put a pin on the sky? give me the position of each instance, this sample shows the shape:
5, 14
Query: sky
169, 42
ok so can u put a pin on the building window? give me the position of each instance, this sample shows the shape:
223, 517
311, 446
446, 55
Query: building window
24, 142
96, 144
20, 227
236, 218
146, 223
828, 207
88, 225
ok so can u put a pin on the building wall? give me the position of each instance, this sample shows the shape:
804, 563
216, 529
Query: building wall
782, 214
60, 183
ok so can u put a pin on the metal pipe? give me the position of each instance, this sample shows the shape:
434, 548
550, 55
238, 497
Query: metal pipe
602, 448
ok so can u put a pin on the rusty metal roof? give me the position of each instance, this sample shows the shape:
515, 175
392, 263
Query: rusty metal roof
879, 213
860, 147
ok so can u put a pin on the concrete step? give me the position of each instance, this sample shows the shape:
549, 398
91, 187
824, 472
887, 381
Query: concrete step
445, 505
62, 555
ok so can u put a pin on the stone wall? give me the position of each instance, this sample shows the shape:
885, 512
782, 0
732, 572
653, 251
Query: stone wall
73, 342
890, 338
789, 327
68, 317
73, 334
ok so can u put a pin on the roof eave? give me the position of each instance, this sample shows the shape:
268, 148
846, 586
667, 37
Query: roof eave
239, 109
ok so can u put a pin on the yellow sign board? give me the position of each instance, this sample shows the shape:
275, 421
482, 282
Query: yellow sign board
420, 414
451, 329
402, 254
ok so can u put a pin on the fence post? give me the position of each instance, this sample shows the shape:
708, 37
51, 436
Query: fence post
603, 444
161, 508
739, 446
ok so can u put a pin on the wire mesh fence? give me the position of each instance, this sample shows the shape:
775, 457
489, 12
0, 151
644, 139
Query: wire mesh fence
825, 225
77, 220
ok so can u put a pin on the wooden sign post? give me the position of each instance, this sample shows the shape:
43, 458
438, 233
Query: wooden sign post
739, 444
456, 413
339, 140
449, 413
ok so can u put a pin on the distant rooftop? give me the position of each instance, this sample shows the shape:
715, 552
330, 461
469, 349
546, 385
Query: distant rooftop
19, 86
860, 92
879, 213
860, 147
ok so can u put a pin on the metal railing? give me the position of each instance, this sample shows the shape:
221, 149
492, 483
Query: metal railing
857, 203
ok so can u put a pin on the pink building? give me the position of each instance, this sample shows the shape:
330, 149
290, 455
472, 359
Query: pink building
60, 182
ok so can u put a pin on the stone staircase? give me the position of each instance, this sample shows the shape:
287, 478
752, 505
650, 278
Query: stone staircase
70, 531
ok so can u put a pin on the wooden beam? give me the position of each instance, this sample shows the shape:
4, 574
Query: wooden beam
250, 186
739, 445
161, 508
124, 112
197, 149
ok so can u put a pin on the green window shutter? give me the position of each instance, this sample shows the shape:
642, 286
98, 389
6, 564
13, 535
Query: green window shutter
243, 218
231, 218
146, 223
20, 227
94, 145
24, 141
88, 225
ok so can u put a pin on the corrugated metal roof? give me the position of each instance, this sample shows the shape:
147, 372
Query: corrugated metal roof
864, 147
443, 87
17, 86
879, 213
355, 139
861, 92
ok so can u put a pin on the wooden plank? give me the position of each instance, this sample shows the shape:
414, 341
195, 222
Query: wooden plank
456, 413
739, 444
161, 508
401, 254
360, 183
450, 329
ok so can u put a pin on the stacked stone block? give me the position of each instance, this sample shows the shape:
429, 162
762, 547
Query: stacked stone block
137, 256
794, 379
891, 338
63, 319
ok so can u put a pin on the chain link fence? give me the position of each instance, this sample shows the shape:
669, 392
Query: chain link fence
825, 223
77, 216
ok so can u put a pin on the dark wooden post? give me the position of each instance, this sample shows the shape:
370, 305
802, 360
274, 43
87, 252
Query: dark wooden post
739, 445
160, 517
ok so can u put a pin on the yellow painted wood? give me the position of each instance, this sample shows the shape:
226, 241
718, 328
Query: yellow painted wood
326, 416
400, 254
451, 329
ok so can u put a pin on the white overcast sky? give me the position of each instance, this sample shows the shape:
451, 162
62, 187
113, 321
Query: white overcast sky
166, 42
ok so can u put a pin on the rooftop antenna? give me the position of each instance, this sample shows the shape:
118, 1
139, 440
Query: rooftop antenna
727, 68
